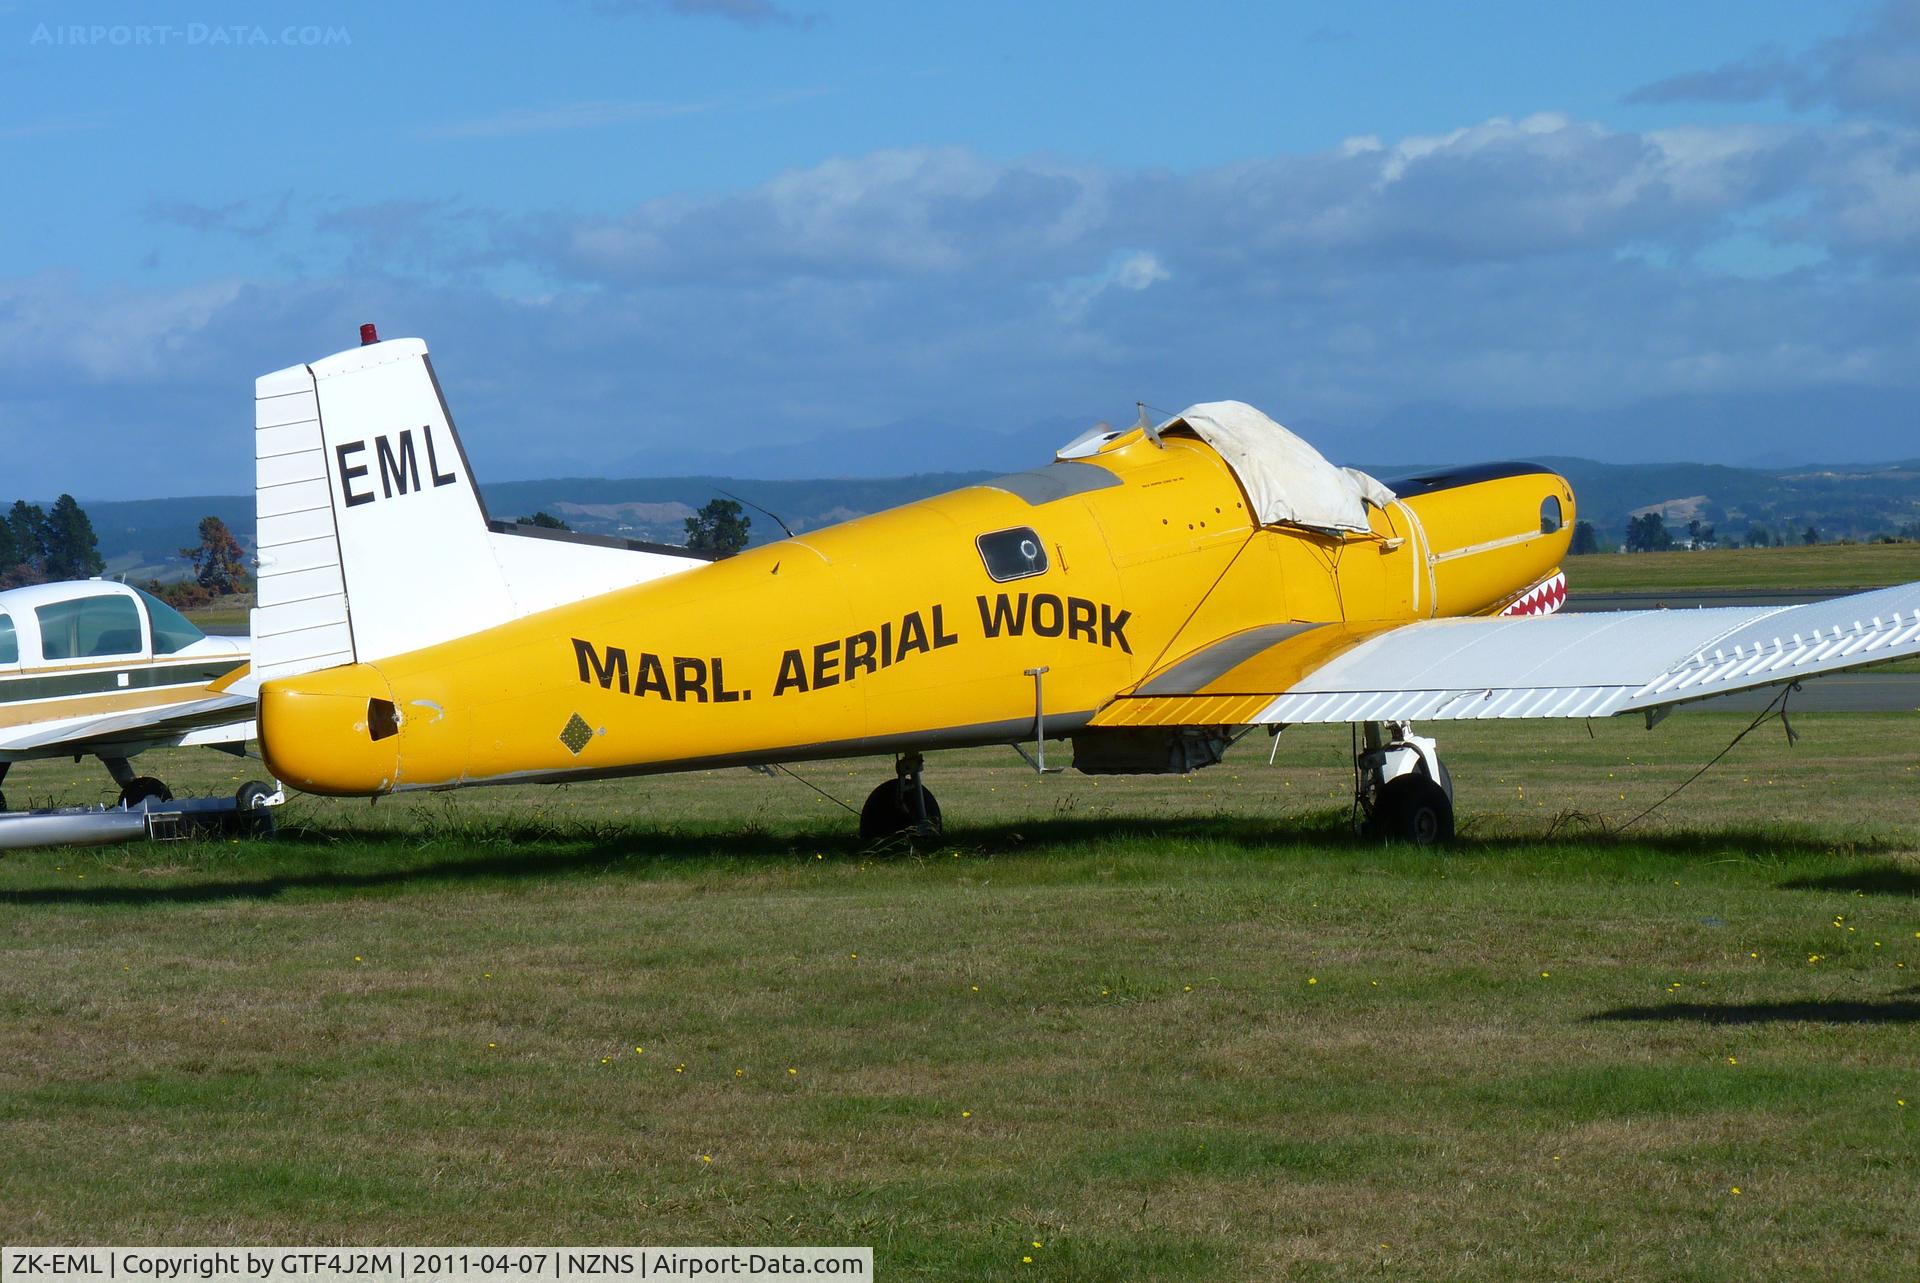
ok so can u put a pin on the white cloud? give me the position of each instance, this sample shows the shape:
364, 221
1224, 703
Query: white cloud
1533, 267
51, 325
1872, 71
54, 125
1139, 271
890, 213
1132, 272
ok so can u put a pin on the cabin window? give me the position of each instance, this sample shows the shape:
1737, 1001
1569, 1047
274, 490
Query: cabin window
89, 628
9, 641
172, 631
1012, 554
1549, 514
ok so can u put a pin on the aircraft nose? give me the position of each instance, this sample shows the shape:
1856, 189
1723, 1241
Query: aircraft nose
335, 732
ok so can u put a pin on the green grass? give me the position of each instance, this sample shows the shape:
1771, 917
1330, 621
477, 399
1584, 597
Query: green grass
1170, 1028
1823, 566
228, 615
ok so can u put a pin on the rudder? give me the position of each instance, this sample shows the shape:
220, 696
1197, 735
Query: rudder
373, 537
367, 512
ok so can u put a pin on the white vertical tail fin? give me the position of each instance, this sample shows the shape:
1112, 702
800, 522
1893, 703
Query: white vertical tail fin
373, 537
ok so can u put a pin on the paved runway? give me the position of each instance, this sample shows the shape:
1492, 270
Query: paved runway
1688, 600
1839, 693
1867, 692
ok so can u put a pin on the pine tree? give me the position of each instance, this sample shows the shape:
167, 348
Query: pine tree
719, 527
27, 525
219, 563
72, 551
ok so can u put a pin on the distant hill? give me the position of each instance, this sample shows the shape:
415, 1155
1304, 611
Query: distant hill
143, 537
657, 508
1841, 502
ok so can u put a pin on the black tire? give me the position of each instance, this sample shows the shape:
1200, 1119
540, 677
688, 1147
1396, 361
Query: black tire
250, 818
144, 788
1415, 810
890, 813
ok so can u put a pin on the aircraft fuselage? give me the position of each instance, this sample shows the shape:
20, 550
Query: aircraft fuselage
916, 628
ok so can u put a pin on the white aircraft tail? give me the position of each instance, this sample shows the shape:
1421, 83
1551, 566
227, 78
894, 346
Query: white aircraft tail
373, 538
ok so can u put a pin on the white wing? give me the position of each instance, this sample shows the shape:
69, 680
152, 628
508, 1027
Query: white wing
1591, 665
160, 725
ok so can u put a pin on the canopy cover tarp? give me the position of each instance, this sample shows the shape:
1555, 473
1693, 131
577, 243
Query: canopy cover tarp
1288, 480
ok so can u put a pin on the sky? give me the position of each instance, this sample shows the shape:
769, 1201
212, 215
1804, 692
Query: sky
788, 238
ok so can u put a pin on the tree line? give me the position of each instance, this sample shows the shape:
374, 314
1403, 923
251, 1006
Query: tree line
47, 545
40, 546
720, 527
1649, 532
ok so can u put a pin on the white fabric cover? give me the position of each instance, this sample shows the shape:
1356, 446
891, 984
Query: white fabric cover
1372, 489
1287, 479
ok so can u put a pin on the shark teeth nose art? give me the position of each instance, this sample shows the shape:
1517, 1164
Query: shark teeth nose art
1544, 598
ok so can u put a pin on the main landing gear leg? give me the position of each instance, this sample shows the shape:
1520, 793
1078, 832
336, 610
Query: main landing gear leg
135, 789
903, 806
4, 767
1405, 793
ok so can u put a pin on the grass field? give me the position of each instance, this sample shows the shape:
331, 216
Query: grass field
1165, 1028
228, 615
1823, 566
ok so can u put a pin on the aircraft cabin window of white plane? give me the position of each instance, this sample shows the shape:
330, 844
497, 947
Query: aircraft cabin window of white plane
171, 630
9, 641
89, 628
1013, 554
1549, 515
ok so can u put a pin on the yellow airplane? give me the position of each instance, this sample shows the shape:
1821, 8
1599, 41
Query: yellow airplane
1150, 594
94, 667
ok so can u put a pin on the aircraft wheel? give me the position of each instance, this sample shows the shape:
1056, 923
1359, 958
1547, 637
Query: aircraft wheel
249, 816
890, 813
143, 788
1413, 809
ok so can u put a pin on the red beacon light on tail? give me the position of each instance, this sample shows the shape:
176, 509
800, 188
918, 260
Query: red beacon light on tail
368, 334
